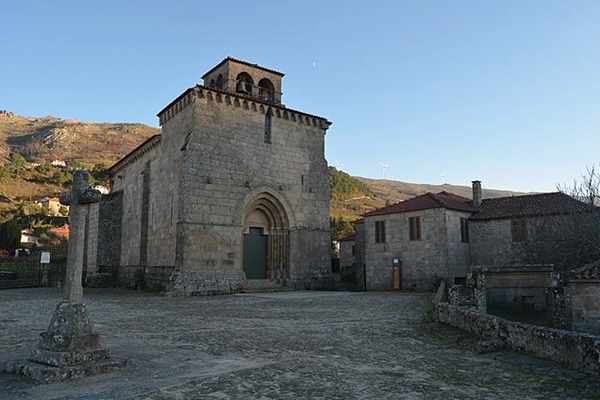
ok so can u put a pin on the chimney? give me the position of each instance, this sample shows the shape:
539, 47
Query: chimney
476, 194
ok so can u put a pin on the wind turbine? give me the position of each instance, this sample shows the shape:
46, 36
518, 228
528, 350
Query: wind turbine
339, 165
384, 168
443, 176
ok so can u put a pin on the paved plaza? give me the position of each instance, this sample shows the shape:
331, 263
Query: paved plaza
284, 345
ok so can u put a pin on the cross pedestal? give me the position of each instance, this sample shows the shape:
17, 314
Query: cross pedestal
70, 348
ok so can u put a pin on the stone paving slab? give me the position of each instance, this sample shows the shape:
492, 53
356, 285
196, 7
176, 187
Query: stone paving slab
288, 345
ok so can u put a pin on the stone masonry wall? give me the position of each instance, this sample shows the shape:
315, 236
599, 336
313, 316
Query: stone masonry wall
491, 242
459, 253
585, 306
438, 255
166, 197
347, 259
578, 350
129, 179
492, 245
360, 255
103, 267
218, 141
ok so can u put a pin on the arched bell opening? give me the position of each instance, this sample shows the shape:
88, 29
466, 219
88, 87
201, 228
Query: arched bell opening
244, 83
266, 90
219, 83
266, 239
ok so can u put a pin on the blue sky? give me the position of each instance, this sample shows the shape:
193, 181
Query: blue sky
507, 92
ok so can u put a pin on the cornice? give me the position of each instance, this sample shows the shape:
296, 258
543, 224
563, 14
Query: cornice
136, 154
238, 100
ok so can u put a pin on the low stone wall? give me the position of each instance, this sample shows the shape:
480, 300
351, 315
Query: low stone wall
585, 307
578, 350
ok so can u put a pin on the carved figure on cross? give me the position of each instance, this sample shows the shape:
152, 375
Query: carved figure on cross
77, 199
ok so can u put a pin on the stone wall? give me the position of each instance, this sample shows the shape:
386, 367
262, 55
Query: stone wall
492, 245
105, 239
585, 305
519, 287
359, 237
347, 259
128, 178
491, 242
439, 254
227, 164
578, 350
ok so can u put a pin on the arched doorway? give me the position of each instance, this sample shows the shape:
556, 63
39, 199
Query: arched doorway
266, 239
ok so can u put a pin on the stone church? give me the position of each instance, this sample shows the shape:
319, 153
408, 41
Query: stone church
233, 194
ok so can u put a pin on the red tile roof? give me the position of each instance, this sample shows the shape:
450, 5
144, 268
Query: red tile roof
535, 205
61, 231
427, 201
242, 62
348, 238
589, 271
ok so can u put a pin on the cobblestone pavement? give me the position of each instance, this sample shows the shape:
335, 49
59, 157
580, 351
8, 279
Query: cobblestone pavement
286, 345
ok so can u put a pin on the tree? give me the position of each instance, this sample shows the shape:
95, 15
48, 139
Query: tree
63, 210
100, 175
17, 165
572, 239
10, 236
341, 227
73, 165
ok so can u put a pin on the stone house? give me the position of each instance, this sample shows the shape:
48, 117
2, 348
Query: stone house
51, 205
426, 236
442, 236
235, 190
347, 256
502, 229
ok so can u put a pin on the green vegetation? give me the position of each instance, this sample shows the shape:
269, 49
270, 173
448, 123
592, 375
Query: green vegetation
341, 226
344, 187
10, 236
350, 198
17, 169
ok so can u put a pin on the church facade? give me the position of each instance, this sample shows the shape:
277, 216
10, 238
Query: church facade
233, 192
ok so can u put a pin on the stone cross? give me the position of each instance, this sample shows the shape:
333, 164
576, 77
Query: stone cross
70, 347
76, 199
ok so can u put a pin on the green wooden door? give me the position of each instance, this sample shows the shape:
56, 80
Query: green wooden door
255, 254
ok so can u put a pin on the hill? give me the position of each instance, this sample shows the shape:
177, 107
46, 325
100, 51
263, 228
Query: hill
351, 197
395, 191
26, 142
45, 139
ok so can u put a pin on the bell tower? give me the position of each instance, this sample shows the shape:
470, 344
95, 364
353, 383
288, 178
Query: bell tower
243, 78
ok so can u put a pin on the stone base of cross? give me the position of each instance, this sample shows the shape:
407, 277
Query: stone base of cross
70, 348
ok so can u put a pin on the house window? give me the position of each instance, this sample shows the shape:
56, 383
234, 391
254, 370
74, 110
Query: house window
268, 128
353, 250
464, 230
414, 228
518, 229
379, 231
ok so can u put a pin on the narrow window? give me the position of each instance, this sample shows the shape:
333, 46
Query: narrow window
268, 126
414, 228
379, 231
518, 228
464, 230
353, 250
